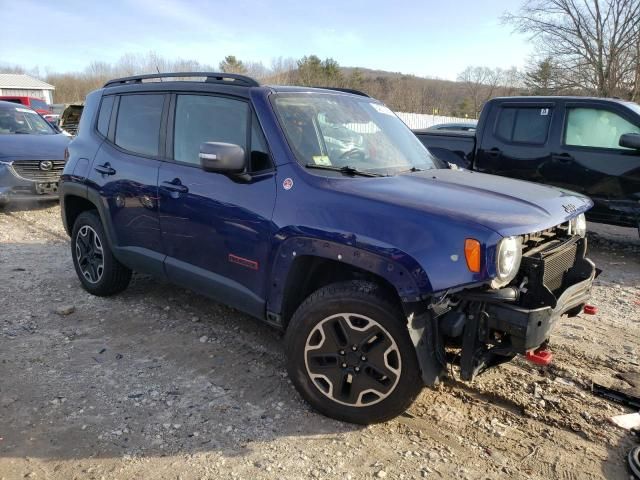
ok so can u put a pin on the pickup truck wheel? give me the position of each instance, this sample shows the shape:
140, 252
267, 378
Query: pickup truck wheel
350, 356
98, 270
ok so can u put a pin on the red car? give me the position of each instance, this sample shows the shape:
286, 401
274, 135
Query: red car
33, 103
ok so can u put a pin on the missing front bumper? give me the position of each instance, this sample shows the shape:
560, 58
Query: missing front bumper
496, 328
530, 328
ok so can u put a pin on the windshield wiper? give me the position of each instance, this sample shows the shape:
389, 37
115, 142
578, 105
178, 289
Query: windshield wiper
412, 169
346, 170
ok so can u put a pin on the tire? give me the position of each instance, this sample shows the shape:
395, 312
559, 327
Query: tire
98, 270
374, 383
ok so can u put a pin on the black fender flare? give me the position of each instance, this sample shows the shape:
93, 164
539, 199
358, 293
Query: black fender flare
400, 270
83, 191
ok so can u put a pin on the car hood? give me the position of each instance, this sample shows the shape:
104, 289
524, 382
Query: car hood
72, 113
16, 147
504, 205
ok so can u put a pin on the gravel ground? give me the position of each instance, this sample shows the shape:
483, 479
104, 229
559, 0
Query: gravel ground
158, 382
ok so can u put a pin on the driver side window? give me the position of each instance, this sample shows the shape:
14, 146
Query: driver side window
204, 118
596, 128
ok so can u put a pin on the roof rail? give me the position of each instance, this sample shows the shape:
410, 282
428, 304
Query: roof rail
211, 77
345, 90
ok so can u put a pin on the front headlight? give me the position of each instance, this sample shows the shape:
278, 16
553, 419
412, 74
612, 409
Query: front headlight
578, 225
508, 257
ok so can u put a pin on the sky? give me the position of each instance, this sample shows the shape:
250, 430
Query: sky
431, 38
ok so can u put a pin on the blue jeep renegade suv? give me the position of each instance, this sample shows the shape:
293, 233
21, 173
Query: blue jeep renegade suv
320, 213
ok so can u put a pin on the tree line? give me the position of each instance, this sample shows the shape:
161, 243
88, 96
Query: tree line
406, 93
591, 47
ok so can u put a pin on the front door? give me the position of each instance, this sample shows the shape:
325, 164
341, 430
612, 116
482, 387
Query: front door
217, 230
594, 163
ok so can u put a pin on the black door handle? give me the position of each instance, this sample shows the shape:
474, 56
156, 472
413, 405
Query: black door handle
105, 169
494, 152
562, 158
175, 185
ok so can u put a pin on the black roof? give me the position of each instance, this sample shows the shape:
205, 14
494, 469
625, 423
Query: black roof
295, 88
551, 98
156, 81
210, 77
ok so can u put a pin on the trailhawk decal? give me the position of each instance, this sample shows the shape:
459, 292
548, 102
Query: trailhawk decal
244, 262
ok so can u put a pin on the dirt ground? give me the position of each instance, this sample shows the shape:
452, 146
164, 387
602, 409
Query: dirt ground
158, 382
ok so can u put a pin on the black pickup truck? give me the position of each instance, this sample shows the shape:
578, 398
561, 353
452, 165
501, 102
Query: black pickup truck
588, 145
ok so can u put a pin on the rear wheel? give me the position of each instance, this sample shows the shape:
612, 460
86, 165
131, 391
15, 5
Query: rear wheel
98, 270
350, 356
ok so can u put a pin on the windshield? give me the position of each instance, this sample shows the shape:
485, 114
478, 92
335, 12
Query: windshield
20, 120
345, 131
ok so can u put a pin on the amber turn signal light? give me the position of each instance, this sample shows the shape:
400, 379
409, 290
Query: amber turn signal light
472, 254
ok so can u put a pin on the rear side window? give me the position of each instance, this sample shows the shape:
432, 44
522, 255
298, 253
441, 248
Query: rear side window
105, 115
524, 124
138, 123
596, 128
201, 118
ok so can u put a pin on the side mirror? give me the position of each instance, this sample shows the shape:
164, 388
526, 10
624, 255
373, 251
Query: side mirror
225, 158
630, 140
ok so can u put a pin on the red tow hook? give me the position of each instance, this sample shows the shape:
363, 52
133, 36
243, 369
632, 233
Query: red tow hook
541, 356
590, 309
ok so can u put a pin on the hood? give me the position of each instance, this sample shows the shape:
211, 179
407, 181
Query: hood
46, 147
72, 113
506, 206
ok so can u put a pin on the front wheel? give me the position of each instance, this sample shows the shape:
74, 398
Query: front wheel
350, 356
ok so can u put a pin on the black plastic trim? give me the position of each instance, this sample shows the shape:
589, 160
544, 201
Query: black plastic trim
217, 287
211, 77
530, 328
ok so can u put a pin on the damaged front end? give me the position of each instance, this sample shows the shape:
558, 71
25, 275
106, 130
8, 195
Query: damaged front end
482, 327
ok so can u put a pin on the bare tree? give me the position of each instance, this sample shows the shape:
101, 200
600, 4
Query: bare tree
480, 84
635, 90
595, 41
511, 82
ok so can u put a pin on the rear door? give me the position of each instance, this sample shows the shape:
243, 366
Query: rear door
516, 139
217, 230
125, 172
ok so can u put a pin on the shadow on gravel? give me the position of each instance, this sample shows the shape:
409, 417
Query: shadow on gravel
154, 371
22, 206
615, 466
31, 226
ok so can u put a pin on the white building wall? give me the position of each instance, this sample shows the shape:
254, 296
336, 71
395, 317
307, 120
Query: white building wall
46, 95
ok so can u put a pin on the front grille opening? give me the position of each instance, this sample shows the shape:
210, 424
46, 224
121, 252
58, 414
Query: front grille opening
547, 261
545, 239
30, 170
556, 267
